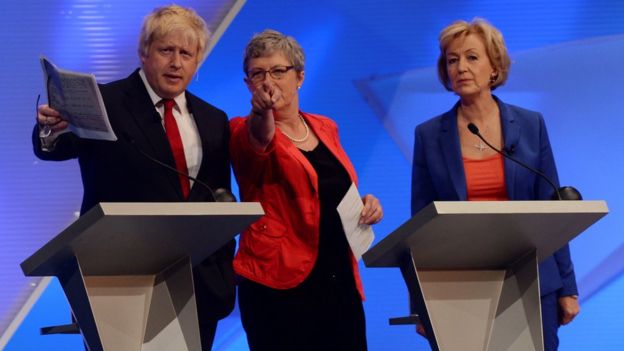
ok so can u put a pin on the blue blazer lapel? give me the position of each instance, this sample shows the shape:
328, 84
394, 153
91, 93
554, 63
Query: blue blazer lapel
511, 135
451, 151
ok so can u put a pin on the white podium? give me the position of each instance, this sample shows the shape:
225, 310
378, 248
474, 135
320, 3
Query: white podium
472, 267
126, 269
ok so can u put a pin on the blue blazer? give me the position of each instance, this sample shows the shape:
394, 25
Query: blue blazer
438, 175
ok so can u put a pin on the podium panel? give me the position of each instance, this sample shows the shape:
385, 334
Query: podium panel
456, 299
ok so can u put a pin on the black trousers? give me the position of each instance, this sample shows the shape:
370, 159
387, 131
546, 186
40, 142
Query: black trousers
320, 314
207, 331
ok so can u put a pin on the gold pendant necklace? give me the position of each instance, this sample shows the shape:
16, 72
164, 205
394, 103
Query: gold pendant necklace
480, 146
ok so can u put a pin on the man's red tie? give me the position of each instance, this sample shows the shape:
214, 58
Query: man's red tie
175, 141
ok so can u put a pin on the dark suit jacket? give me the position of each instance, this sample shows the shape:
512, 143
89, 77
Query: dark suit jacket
438, 175
117, 172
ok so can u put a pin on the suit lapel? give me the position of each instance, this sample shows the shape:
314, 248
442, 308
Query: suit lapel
199, 115
330, 140
149, 122
326, 137
300, 157
451, 151
511, 135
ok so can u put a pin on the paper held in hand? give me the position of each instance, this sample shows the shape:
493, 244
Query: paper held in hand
359, 236
77, 97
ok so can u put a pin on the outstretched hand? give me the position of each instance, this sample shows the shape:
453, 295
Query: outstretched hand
263, 98
261, 120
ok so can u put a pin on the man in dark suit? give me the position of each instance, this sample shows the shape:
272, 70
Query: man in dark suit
151, 112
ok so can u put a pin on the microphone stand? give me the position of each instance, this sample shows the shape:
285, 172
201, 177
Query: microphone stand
562, 193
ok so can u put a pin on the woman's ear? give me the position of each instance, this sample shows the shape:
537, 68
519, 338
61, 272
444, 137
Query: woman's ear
300, 79
493, 77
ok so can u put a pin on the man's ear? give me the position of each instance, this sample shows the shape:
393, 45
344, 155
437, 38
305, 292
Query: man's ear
142, 57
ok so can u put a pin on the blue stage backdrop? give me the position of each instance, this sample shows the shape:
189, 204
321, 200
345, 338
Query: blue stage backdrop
370, 66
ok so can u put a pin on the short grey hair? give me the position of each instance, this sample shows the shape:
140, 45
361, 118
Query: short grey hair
270, 42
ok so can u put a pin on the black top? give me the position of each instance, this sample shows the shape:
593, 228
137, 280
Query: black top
325, 311
334, 259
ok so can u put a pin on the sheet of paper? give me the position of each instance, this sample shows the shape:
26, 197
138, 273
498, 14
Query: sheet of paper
77, 97
359, 236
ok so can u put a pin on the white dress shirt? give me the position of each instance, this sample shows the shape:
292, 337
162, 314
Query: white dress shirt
186, 124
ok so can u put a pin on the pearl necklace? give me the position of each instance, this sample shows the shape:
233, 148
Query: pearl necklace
304, 138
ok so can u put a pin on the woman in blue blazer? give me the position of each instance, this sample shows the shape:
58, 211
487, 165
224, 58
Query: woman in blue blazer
452, 164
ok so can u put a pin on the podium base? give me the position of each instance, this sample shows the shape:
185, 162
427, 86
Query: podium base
142, 313
480, 309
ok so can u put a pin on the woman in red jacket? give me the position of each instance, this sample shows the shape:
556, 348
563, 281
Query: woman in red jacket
301, 288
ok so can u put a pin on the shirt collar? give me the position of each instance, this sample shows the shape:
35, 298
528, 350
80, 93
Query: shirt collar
180, 99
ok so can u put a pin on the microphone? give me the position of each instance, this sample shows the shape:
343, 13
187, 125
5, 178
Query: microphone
562, 193
510, 150
218, 195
